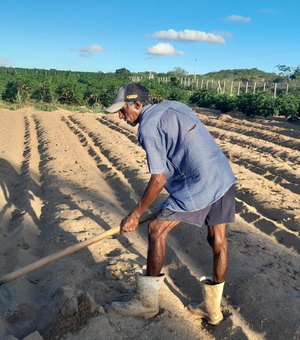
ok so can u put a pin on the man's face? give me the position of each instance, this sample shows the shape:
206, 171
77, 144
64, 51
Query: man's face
130, 113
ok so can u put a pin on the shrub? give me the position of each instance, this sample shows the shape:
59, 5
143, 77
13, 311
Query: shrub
42, 94
174, 81
245, 103
10, 92
16, 92
107, 95
179, 95
224, 102
288, 105
203, 98
91, 97
69, 94
264, 104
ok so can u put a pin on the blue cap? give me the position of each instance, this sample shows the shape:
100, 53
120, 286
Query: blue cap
128, 93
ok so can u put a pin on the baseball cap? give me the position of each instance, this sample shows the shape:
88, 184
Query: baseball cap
128, 93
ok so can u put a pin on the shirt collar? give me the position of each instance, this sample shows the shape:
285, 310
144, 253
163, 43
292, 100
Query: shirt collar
145, 108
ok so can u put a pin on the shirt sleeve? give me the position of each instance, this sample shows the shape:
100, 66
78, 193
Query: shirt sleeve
154, 145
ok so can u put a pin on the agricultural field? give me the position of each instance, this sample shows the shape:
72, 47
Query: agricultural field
66, 177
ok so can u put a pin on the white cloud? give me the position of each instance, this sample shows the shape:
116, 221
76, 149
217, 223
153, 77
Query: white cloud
89, 50
188, 36
4, 62
163, 49
239, 18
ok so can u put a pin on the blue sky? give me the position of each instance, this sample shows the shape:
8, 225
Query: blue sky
197, 36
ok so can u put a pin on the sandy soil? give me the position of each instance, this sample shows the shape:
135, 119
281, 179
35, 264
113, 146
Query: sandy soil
67, 176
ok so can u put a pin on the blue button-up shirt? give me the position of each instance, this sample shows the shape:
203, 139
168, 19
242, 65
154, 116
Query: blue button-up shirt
179, 145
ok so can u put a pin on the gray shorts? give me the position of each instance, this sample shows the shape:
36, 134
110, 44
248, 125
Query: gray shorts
222, 211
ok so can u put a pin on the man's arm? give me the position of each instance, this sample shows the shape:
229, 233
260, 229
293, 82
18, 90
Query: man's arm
153, 189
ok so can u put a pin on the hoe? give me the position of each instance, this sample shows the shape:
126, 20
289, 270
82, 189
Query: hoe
72, 249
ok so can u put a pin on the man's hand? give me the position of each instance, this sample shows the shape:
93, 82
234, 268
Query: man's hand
129, 223
153, 189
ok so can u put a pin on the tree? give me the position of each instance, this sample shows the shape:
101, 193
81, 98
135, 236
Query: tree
288, 72
122, 71
178, 72
296, 74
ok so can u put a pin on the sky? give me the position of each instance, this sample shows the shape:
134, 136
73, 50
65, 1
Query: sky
152, 35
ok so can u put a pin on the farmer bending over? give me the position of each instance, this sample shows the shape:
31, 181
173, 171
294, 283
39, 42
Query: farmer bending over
184, 159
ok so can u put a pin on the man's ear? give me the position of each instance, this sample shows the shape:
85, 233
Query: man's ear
138, 105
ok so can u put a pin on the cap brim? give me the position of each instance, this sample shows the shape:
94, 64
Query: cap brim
115, 107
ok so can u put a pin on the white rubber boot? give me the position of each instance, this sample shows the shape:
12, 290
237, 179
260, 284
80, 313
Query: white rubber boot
210, 308
145, 302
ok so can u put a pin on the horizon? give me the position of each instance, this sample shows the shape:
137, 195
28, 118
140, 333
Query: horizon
99, 71
200, 38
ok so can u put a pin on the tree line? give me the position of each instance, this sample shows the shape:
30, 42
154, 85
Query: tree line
96, 90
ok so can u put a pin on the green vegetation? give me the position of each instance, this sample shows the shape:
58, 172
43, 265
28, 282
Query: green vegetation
252, 74
261, 104
51, 89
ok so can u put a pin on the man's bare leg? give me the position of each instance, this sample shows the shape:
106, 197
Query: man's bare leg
158, 231
216, 237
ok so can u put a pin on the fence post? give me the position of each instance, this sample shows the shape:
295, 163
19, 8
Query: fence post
219, 86
239, 88
275, 90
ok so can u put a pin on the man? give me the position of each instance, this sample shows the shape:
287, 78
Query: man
184, 159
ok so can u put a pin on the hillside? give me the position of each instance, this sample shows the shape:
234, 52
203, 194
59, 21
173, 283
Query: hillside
252, 74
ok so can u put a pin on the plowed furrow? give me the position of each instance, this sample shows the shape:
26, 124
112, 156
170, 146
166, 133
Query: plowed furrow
116, 127
268, 198
91, 142
272, 137
262, 164
133, 167
292, 158
267, 125
17, 200
23, 198
74, 191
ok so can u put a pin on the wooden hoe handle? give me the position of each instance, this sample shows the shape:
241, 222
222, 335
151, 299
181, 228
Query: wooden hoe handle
50, 258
